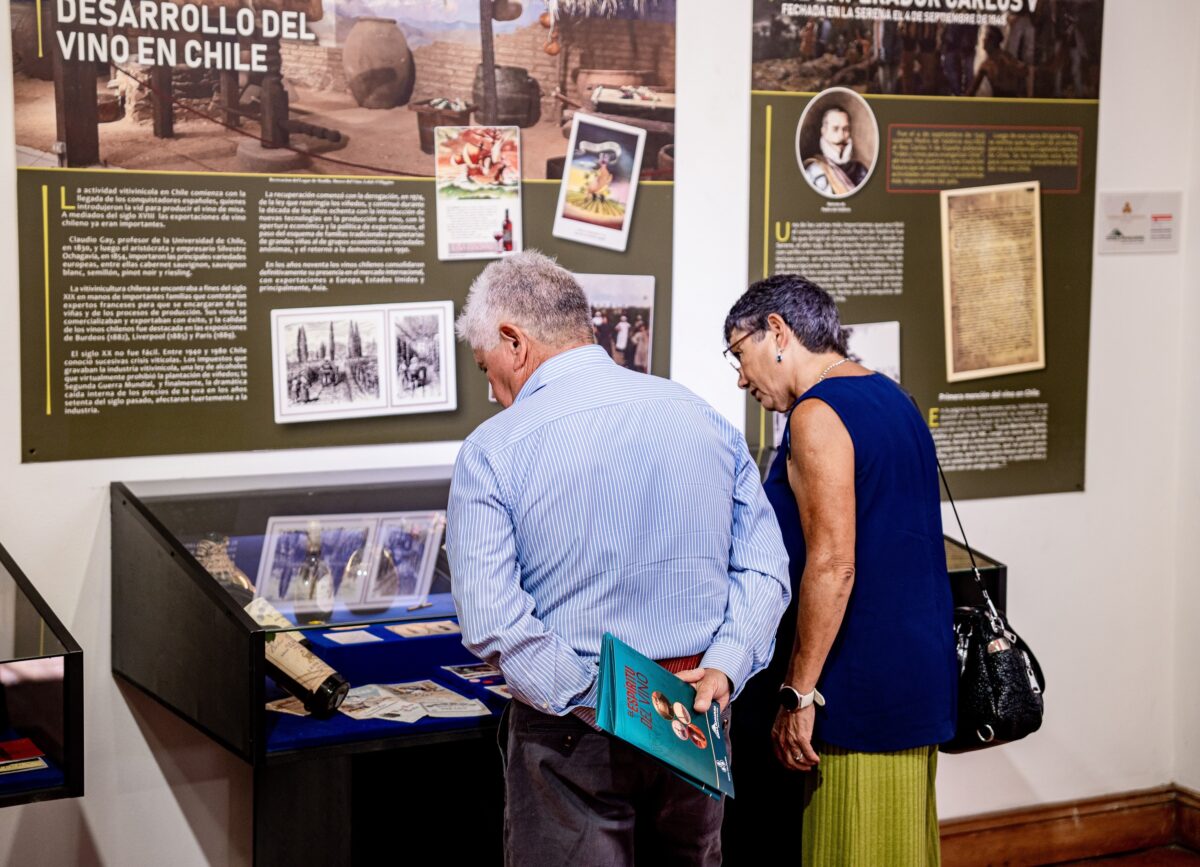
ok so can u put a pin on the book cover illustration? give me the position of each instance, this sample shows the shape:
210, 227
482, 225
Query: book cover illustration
642, 703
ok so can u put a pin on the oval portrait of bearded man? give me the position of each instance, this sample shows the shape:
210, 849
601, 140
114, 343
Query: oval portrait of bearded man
837, 142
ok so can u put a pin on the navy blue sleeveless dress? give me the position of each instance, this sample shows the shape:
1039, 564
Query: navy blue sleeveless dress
890, 681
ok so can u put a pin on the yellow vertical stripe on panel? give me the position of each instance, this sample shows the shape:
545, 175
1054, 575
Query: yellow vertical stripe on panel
46, 277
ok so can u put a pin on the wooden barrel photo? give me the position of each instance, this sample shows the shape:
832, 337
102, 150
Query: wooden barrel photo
518, 96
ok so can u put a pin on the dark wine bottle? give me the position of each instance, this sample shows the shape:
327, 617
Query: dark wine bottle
305, 675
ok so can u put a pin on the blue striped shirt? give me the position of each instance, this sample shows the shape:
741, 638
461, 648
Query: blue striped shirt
605, 500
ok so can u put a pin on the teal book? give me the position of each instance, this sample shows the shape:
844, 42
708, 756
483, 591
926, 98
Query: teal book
642, 703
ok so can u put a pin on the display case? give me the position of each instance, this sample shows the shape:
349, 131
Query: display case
966, 591
209, 575
41, 696
213, 580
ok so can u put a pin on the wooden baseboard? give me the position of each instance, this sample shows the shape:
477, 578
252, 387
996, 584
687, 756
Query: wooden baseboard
1053, 833
1188, 806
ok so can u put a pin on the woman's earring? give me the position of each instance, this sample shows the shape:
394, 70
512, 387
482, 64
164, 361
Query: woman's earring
779, 357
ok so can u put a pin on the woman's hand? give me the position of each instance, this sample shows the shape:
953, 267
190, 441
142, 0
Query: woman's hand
792, 739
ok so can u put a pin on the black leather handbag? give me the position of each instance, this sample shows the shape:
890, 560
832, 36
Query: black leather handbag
1000, 684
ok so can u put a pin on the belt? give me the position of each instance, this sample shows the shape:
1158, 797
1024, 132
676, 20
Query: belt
587, 715
681, 663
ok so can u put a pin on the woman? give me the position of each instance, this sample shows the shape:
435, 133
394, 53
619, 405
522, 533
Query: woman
641, 352
869, 688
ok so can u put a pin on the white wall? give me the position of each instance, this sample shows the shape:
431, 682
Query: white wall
1187, 518
1091, 575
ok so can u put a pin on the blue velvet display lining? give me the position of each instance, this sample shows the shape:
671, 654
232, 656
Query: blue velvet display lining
29, 781
393, 660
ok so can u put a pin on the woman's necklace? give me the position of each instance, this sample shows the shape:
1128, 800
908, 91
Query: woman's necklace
825, 372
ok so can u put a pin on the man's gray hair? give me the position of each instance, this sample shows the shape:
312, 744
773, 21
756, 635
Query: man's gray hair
529, 290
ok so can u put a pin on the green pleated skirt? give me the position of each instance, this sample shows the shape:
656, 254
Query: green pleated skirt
871, 809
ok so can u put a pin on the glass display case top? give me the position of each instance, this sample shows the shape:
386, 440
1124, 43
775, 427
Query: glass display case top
40, 702
958, 560
24, 633
318, 555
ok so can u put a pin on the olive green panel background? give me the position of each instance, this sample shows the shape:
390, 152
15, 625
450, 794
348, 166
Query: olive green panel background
250, 425
1067, 230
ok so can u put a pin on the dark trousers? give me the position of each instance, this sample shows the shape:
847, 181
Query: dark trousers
576, 796
764, 819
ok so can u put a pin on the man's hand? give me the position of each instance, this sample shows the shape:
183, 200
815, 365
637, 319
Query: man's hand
792, 739
711, 685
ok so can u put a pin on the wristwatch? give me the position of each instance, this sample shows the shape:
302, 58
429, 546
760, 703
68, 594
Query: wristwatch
792, 700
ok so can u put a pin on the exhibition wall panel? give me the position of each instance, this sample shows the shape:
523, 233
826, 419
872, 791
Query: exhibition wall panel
221, 253
934, 169
1091, 574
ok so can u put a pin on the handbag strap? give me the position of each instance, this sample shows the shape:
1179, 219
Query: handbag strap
997, 621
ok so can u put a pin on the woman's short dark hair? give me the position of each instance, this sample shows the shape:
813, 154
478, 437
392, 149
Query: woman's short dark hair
806, 308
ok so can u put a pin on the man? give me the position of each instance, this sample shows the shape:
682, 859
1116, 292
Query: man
835, 171
885, 46
824, 36
808, 40
959, 42
927, 56
1021, 44
1002, 71
604, 333
549, 550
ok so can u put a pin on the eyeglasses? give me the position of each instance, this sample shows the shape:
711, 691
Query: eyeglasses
734, 361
